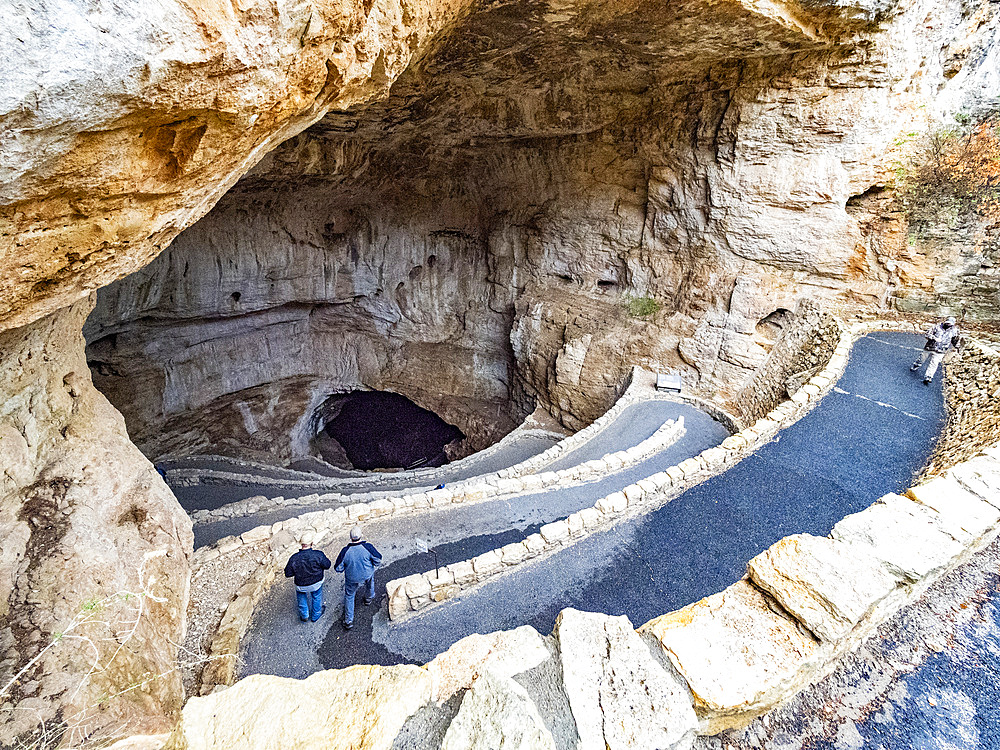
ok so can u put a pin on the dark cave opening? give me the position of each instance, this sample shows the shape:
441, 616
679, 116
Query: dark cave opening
382, 430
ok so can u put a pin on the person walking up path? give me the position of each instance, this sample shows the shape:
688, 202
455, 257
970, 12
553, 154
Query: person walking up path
306, 567
941, 337
358, 562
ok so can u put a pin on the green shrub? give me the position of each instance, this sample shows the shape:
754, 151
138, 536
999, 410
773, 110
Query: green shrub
641, 307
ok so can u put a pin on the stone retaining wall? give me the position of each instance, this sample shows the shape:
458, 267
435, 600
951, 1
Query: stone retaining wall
972, 388
802, 349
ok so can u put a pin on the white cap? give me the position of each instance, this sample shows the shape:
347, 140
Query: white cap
306, 538
355, 533
950, 321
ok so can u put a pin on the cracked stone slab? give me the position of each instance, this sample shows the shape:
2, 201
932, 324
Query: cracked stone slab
496, 713
827, 585
620, 696
506, 653
739, 656
958, 506
906, 536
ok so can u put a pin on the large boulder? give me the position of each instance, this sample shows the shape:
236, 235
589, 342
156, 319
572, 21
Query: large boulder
620, 696
358, 708
497, 713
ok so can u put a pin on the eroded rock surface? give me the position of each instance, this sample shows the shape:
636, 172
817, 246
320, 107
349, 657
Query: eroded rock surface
125, 122
547, 196
359, 708
497, 713
621, 698
93, 551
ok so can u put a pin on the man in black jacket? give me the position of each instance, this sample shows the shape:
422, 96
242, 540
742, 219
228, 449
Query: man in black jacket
307, 566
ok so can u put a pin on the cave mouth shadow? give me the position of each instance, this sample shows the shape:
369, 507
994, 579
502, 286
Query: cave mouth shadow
379, 430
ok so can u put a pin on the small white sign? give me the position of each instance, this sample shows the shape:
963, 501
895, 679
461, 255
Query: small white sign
422, 545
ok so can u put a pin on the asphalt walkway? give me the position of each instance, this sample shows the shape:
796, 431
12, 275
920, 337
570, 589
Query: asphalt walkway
869, 436
276, 646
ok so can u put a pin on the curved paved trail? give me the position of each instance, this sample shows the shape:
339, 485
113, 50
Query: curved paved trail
636, 423
867, 437
212, 494
274, 645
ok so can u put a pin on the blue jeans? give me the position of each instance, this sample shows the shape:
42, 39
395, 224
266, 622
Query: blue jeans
310, 600
350, 590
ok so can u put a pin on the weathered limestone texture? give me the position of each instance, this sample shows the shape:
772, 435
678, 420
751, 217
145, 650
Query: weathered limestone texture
359, 708
739, 654
620, 697
125, 122
828, 586
497, 713
505, 654
93, 551
527, 230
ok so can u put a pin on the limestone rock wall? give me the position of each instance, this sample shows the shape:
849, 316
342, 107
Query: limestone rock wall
125, 122
94, 551
718, 175
232, 339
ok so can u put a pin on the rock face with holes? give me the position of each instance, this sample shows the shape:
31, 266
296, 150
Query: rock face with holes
93, 550
545, 198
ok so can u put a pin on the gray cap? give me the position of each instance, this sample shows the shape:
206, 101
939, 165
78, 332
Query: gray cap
950, 321
355, 533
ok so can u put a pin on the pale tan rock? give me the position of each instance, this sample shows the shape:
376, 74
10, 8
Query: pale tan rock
620, 696
497, 713
506, 652
827, 585
512, 554
956, 505
555, 532
487, 564
361, 708
738, 655
84, 522
463, 572
907, 536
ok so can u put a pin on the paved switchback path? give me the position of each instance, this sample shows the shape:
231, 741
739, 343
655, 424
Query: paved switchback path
210, 495
869, 436
636, 423
277, 645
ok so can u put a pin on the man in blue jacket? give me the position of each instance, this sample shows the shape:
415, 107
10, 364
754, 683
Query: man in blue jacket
357, 561
307, 566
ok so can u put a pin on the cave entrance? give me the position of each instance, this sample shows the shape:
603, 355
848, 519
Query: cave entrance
372, 430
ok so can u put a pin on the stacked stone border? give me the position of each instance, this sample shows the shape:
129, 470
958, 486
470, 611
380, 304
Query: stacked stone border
972, 388
635, 393
417, 592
